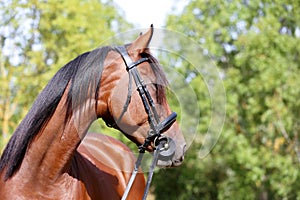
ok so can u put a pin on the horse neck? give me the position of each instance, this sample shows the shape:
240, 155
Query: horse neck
50, 154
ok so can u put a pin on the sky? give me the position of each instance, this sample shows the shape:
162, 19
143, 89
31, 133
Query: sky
143, 13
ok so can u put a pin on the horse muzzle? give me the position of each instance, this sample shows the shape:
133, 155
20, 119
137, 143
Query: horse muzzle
167, 156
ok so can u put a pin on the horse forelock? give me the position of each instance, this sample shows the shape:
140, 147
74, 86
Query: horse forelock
83, 74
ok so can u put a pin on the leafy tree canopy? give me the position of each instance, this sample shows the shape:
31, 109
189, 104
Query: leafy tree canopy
39, 37
256, 46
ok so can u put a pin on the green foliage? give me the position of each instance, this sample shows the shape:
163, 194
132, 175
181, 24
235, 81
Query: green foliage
256, 46
39, 37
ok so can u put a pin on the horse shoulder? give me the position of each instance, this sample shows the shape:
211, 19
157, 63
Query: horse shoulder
109, 162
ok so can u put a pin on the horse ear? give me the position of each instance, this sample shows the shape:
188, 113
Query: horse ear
142, 42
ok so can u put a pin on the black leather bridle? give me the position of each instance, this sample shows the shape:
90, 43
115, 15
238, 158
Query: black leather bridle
164, 147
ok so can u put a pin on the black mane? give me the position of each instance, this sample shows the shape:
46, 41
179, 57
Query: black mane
84, 74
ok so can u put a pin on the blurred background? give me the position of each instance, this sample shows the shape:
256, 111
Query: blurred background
254, 44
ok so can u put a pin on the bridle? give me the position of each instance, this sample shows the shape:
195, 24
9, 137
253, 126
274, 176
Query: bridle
164, 147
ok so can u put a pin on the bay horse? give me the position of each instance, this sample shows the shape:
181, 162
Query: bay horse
41, 160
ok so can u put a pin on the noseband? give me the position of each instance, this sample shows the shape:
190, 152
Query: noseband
164, 146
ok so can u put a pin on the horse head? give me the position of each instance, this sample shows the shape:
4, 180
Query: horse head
133, 100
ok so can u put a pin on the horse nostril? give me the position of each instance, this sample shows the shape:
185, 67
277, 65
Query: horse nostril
178, 161
181, 158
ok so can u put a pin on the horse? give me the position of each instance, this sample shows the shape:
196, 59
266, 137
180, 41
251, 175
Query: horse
41, 160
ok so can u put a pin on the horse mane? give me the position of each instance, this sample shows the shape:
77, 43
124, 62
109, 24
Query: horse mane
83, 74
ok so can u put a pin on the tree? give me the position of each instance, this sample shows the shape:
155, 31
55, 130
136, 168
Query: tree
255, 44
37, 38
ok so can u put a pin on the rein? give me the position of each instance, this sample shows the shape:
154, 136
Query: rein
164, 147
